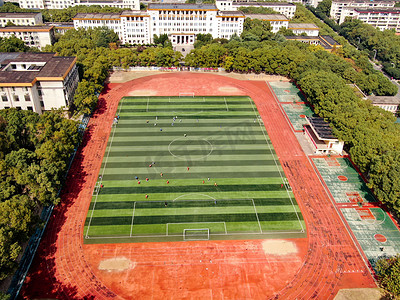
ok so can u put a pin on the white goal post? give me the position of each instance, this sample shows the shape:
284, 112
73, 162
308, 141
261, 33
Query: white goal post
202, 234
181, 95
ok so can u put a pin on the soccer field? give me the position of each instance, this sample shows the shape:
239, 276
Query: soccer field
190, 168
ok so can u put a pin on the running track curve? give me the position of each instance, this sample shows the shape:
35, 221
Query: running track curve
326, 261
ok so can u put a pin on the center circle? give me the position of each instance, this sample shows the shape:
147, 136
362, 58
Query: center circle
188, 148
342, 178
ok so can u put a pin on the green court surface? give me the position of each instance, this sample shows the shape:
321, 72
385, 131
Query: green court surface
342, 190
207, 167
373, 228
287, 91
296, 113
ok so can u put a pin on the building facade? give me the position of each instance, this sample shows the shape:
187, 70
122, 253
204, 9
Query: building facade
61, 4
181, 22
308, 29
37, 81
340, 9
384, 18
33, 36
21, 19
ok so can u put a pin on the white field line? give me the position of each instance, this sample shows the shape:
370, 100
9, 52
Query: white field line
277, 165
133, 216
258, 220
104, 168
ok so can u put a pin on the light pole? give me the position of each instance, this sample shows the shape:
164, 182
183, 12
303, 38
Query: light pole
374, 54
359, 41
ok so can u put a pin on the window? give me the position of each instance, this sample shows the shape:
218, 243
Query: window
16, 98
4, 98
29, 108
18, 107
41, 103
27, 97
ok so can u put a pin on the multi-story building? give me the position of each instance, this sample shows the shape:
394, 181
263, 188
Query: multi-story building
384, 18
37, 81
33, 36
277, 21
182, 22
21, 19
340, 9
287, 9
61, 4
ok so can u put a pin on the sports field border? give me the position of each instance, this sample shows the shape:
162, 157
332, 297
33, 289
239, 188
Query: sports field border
324, 263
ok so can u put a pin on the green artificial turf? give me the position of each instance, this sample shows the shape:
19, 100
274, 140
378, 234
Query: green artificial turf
212, 167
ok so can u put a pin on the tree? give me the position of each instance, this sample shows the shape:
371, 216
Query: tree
325, 7
388, 271
85, 99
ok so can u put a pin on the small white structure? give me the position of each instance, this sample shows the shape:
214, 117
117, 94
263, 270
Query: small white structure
309, 29
37, 81
33, 36
21, 19
388, 103
319, 134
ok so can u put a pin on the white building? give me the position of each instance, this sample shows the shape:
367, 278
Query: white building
341, 9
60, 4
384, 18
33, 36
320, 136
287, 9
21, 19
309, 29
182, 22
388, 103
37, 81
277, 21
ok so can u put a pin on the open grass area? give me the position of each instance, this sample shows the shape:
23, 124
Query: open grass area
179, 163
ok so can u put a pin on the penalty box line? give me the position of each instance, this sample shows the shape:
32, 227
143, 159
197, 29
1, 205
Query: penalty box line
212, 200
166, 231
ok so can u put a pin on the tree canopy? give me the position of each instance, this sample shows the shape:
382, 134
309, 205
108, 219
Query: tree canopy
34, 151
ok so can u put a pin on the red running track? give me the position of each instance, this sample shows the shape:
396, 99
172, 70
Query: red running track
321, 264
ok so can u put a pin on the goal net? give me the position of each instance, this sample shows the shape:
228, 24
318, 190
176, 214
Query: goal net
202, 234
183, 95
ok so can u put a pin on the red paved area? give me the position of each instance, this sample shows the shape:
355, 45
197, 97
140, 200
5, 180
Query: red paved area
64, 268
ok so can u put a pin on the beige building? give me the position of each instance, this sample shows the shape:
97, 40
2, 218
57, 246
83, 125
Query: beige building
37, 81
309, 29
284, 8
61, 4
21, 19
33, 36
277, 21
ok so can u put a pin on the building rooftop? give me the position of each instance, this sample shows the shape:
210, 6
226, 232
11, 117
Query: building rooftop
26, 28
181, 6
225, 13
98, 16
129, 13
47, 66
364, 1
375, 10
321, 128
302, 26
330, 40
238, 4
388, 100
267, 17
19, 14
